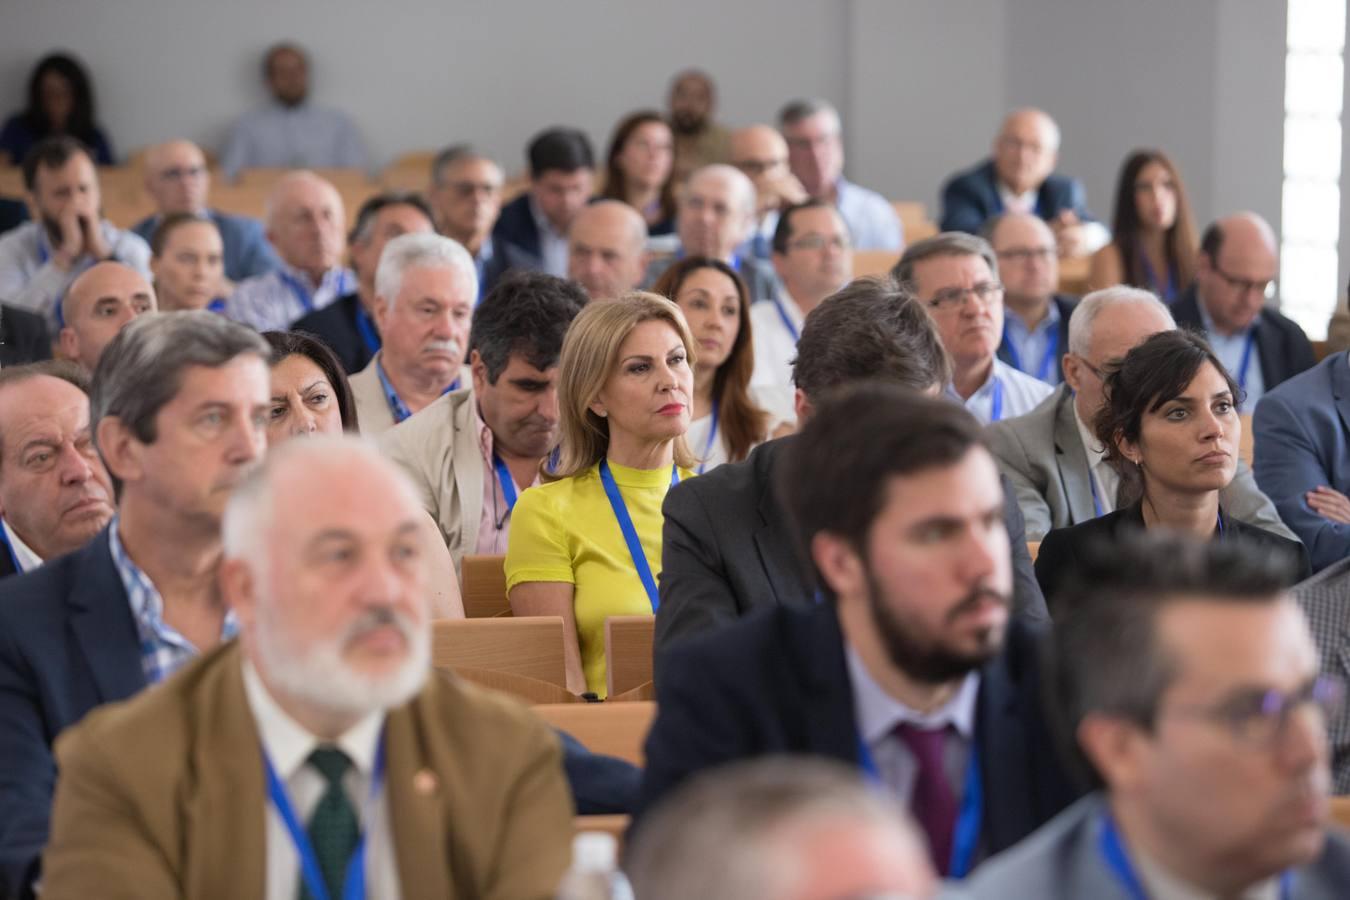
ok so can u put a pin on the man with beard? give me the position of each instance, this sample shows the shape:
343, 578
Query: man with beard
425, 289
699, 141
909, 666
471, 453
372, 777
178, 413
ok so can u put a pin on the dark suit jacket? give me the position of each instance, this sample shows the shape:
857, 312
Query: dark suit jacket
777, 682
7, 569
969, 198
1065, 303
727, 548
13, 213
1063, 548
1284, 348
515, 238
23, 337
335, 324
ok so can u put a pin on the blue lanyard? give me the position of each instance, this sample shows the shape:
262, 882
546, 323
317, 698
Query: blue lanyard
354, 884
1096, 501
302, 293
1246, 358
787, 321
43, 253
9, 548
396, 404
966, 837
1051, 352
216, 306
505, 480
1167, 290
996, 406
366, 328
630, 535
712, 437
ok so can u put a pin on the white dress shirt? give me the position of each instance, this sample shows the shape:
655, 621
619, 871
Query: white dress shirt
1105, 479
270, 302
775, 326
1020, 394
29, 279
288, 745
871, 220
552, 243
714, 454
24, 557
1095, 234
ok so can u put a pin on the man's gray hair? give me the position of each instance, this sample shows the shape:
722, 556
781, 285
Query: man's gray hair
1091, 306
948, 243
742, 188
420, 251
451, 155
797, 110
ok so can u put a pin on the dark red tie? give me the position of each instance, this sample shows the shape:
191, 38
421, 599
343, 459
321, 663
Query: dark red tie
933, 802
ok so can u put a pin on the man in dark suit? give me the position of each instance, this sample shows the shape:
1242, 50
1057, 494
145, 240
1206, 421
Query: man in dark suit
1238, 261
727, 547
531, 232
1019, 177
13, 213
911, 666
1035, 318
23, 337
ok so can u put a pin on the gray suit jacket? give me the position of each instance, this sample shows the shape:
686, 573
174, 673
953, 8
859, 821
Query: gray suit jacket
1062, 861
1325, 599
1043, 456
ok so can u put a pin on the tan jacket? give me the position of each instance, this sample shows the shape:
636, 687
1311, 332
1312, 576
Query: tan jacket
162, 796
372, 409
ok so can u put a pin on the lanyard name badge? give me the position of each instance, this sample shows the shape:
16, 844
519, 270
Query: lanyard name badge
354, 884
397, 407
630, 535
505, 480
996, 405
1043, 371
366, 328
712, 438
966, 835
787, 320
1245, 365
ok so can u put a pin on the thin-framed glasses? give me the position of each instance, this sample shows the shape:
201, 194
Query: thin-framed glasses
1265, 288
951, 298
1261, 718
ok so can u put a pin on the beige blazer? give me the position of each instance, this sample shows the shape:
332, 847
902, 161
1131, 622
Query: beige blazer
372, 409
162, 796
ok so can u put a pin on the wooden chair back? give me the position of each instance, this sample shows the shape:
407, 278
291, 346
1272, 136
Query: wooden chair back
1321, 350
873, 262
1340, 811
530, 690
484, 587
11, 181
614, 729
914, 219
628, 652
1247, 443
1073, 275
531, 646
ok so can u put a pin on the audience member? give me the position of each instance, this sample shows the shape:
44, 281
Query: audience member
347, 325
779, 829
1035, 317
60, 104
98, 305
40, 259
606, 249
1020, 177
625, 388
23, 337
291, 132
1324, 600
425, 287
816, 156
326, 705
531, 232
187, 259
1153, 232
912, 667
638, 169
726, 422
1052, 456
177, 177
470, 454
305, 221
761, 153
310, 392
1234, 272
1189, 682
466, 197
728, 549
699, 140
178, 412
1170, 428
956, 277
54, 492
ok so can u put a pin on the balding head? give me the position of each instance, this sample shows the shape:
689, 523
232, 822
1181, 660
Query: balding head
760, 152
105, 297
1026, 149
1239, 259
606, 249
717, 211
1028, 263
305, 222
177, 178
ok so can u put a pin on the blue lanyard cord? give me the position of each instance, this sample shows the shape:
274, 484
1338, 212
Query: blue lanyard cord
996, 406
9, 548
787, 320
400, 409
1246, 362
1167, 291
712, 438
300, 291
505, 480
1096, 501
1047, 361
354, 884
366, 328
630, 535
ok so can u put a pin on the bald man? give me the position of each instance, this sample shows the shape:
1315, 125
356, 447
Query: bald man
100, 302
1019, 177
699, 141
1238, 263
760, 152
606, 249
306, 224
177, 177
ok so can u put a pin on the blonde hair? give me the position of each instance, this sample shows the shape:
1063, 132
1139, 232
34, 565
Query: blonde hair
590, 353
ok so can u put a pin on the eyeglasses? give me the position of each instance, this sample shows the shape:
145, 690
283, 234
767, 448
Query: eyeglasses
820, 242
1261, 718
1265, 288
753, 167
469, 188
177, 173
1027, 254
951, 298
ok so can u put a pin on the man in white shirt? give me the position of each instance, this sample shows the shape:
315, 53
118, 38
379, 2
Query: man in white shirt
956, 276
101, 301
306, 223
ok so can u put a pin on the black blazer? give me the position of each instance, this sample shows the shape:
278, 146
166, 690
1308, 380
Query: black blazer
1285, 349
335, 325
727, 548
1062, 548
7, 569
515, 237
23, 336
777, 682
1065, 303
970, 198
13, 213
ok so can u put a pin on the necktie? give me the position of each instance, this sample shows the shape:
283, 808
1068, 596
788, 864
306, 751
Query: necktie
933, 802
333, 829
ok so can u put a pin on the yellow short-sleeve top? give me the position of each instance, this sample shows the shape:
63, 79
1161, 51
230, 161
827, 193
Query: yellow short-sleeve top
566, 531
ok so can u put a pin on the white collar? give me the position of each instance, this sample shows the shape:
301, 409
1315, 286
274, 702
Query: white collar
24, 555
1095, 451
879, 713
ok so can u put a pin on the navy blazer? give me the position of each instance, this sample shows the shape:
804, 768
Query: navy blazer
1284, 349
515, 238
970, 198
23, 336
13, 213
1066, 304
336, 326
777, 682
1302, 433
68, 643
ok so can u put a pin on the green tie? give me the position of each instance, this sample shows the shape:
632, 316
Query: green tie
333, 829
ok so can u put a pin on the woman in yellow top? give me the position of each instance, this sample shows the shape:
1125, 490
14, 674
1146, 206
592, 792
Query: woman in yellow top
587, 545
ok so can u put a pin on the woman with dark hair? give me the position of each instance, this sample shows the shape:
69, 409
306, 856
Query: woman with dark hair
310, 393
1153, 233
60, 101
641, 155
1170, 428
727, 422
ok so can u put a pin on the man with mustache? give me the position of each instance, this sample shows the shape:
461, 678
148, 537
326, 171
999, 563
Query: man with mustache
910, 665
178, 414
324, 724
425, 289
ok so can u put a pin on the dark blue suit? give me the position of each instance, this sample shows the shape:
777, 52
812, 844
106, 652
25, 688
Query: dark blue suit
1283, 348
515, 239
777, 682
1302, 433
970, 198
336, 325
